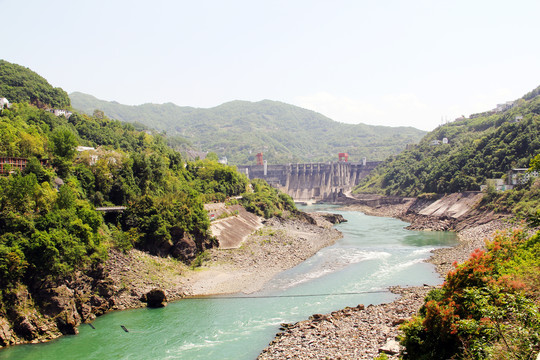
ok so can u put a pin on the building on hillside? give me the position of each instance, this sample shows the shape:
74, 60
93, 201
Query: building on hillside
439, 142
223, 160
498, 184
4, 103
9, 164
61, 112
195, 155
519, 176
503, 107
93, 156
85, 148
518, 118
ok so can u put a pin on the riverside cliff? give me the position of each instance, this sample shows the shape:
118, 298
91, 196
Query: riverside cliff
126, 278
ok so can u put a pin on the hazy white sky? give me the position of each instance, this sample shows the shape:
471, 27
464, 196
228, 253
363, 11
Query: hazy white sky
410, 62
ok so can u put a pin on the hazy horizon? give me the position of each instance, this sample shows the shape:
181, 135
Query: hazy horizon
396, 63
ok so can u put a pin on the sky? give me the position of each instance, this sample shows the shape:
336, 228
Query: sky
396, 63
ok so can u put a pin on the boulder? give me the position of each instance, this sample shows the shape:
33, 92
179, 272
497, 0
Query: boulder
399, 321
155, 298
334, 218
391, 347
185, 249
318, 317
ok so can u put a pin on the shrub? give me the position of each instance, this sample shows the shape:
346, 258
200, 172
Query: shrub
486, 307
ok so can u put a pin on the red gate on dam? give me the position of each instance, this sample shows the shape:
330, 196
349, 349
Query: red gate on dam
314, 181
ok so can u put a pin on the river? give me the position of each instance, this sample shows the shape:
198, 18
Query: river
373, 254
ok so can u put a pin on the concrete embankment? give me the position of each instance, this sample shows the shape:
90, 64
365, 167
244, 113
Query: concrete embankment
231, 225
452, 212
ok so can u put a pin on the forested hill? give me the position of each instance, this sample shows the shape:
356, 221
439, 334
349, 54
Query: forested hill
240, 129
56, 170
483, 147
20, 84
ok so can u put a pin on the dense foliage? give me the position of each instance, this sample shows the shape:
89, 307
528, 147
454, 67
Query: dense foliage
48, 223
20, 84
266, 201
240, 129
486, 309
45, 233
523, 201
478, 149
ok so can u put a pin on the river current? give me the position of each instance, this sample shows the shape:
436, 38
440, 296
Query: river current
374, 253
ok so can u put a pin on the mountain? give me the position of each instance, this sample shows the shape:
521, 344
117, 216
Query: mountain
485, 146
20, 84
241, 129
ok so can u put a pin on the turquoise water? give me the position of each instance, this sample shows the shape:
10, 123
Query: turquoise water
374, 253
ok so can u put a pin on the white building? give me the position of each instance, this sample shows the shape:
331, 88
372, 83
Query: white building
503, 107
61, 112
4, 103
94, 157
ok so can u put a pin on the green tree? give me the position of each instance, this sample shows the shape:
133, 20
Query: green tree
212, 156
534, 165
64, 145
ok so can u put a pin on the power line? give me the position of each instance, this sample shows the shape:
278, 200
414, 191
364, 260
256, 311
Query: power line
285, 296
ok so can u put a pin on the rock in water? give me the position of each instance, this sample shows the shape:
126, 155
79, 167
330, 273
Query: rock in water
156, 298
334, 218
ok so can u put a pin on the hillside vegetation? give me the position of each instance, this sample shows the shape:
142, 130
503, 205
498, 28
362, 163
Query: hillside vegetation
49, 227
479, 148
20, 84
241, 129
487, 307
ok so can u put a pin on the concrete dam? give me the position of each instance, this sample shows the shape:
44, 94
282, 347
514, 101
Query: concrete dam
311, 182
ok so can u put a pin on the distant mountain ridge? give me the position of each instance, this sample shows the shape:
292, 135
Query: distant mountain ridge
240, 129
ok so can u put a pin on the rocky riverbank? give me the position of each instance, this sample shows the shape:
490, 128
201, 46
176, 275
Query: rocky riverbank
279, 245
351, 333
126, 279
364, 332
